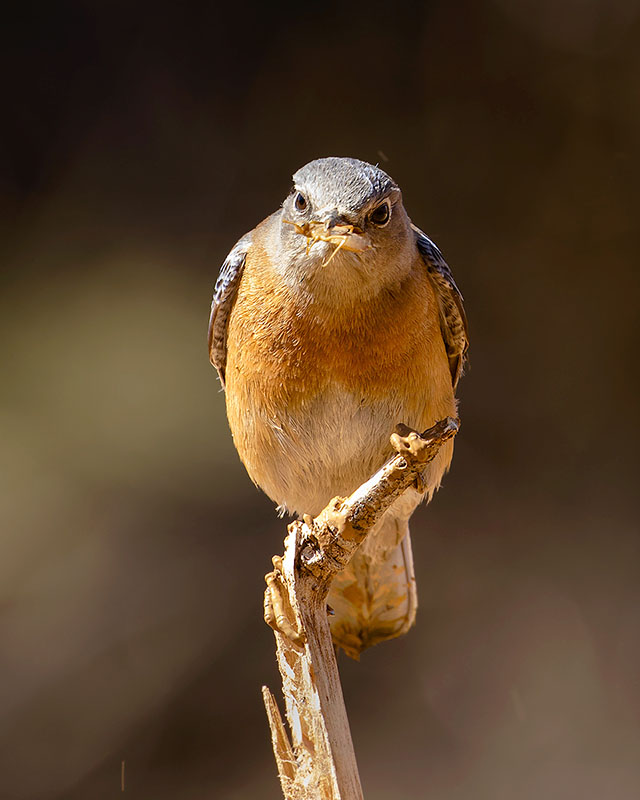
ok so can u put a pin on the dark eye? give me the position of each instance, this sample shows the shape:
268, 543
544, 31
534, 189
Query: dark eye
380, 215
300, 202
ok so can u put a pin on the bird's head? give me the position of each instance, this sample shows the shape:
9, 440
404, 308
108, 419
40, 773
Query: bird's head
343, 229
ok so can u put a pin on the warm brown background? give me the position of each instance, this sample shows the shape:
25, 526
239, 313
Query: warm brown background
140, 142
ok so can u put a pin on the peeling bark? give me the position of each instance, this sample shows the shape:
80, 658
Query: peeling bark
316, 761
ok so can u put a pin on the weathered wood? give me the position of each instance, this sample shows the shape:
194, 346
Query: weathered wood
319, 763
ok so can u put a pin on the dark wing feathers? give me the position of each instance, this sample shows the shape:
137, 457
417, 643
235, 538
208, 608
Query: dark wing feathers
453, 321
223, 296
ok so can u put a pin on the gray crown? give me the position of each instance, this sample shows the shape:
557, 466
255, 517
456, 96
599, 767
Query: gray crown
345, 183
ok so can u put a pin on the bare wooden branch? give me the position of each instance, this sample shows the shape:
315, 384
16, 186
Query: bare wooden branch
319, 763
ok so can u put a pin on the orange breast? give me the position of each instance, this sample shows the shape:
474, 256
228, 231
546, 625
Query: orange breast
286, 355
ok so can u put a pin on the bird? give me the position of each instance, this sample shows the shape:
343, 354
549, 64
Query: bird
333, 320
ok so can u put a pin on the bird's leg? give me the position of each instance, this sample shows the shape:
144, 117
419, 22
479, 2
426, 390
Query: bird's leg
301, 229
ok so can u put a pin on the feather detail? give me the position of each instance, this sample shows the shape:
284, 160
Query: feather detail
315, 391
375, 597
453, 320
224, 295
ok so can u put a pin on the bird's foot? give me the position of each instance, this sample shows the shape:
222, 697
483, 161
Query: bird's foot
421, 445
278, 613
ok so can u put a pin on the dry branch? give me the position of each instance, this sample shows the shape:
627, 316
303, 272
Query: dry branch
318, 763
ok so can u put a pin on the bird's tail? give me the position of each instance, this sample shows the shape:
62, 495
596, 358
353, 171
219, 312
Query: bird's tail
375, 597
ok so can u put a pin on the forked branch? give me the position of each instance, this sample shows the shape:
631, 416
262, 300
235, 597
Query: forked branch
318, 762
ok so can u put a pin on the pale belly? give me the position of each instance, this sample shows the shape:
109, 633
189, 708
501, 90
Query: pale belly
328, 446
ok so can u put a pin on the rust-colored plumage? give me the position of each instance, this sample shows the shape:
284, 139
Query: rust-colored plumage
321, 357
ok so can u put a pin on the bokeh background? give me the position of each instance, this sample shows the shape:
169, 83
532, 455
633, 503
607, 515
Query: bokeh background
139, 142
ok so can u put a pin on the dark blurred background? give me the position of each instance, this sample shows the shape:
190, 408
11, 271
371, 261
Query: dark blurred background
139, 141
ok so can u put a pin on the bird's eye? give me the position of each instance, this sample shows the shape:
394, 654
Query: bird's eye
300, 202
381, 214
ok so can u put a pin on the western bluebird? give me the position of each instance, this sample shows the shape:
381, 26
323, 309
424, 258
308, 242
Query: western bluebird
332, 321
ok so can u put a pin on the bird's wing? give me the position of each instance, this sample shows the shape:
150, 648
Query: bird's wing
224, 295
453, 320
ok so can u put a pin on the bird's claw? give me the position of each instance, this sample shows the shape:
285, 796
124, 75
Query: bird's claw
278, 613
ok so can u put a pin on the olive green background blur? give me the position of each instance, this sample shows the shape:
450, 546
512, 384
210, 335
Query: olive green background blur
139, 142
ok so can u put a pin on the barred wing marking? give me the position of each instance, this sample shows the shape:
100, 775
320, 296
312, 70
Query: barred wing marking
224, 295
453, 320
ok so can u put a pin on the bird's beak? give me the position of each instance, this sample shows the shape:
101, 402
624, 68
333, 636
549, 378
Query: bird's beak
336, 231
344, 234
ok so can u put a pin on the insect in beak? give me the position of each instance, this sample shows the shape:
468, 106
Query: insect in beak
344, 236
